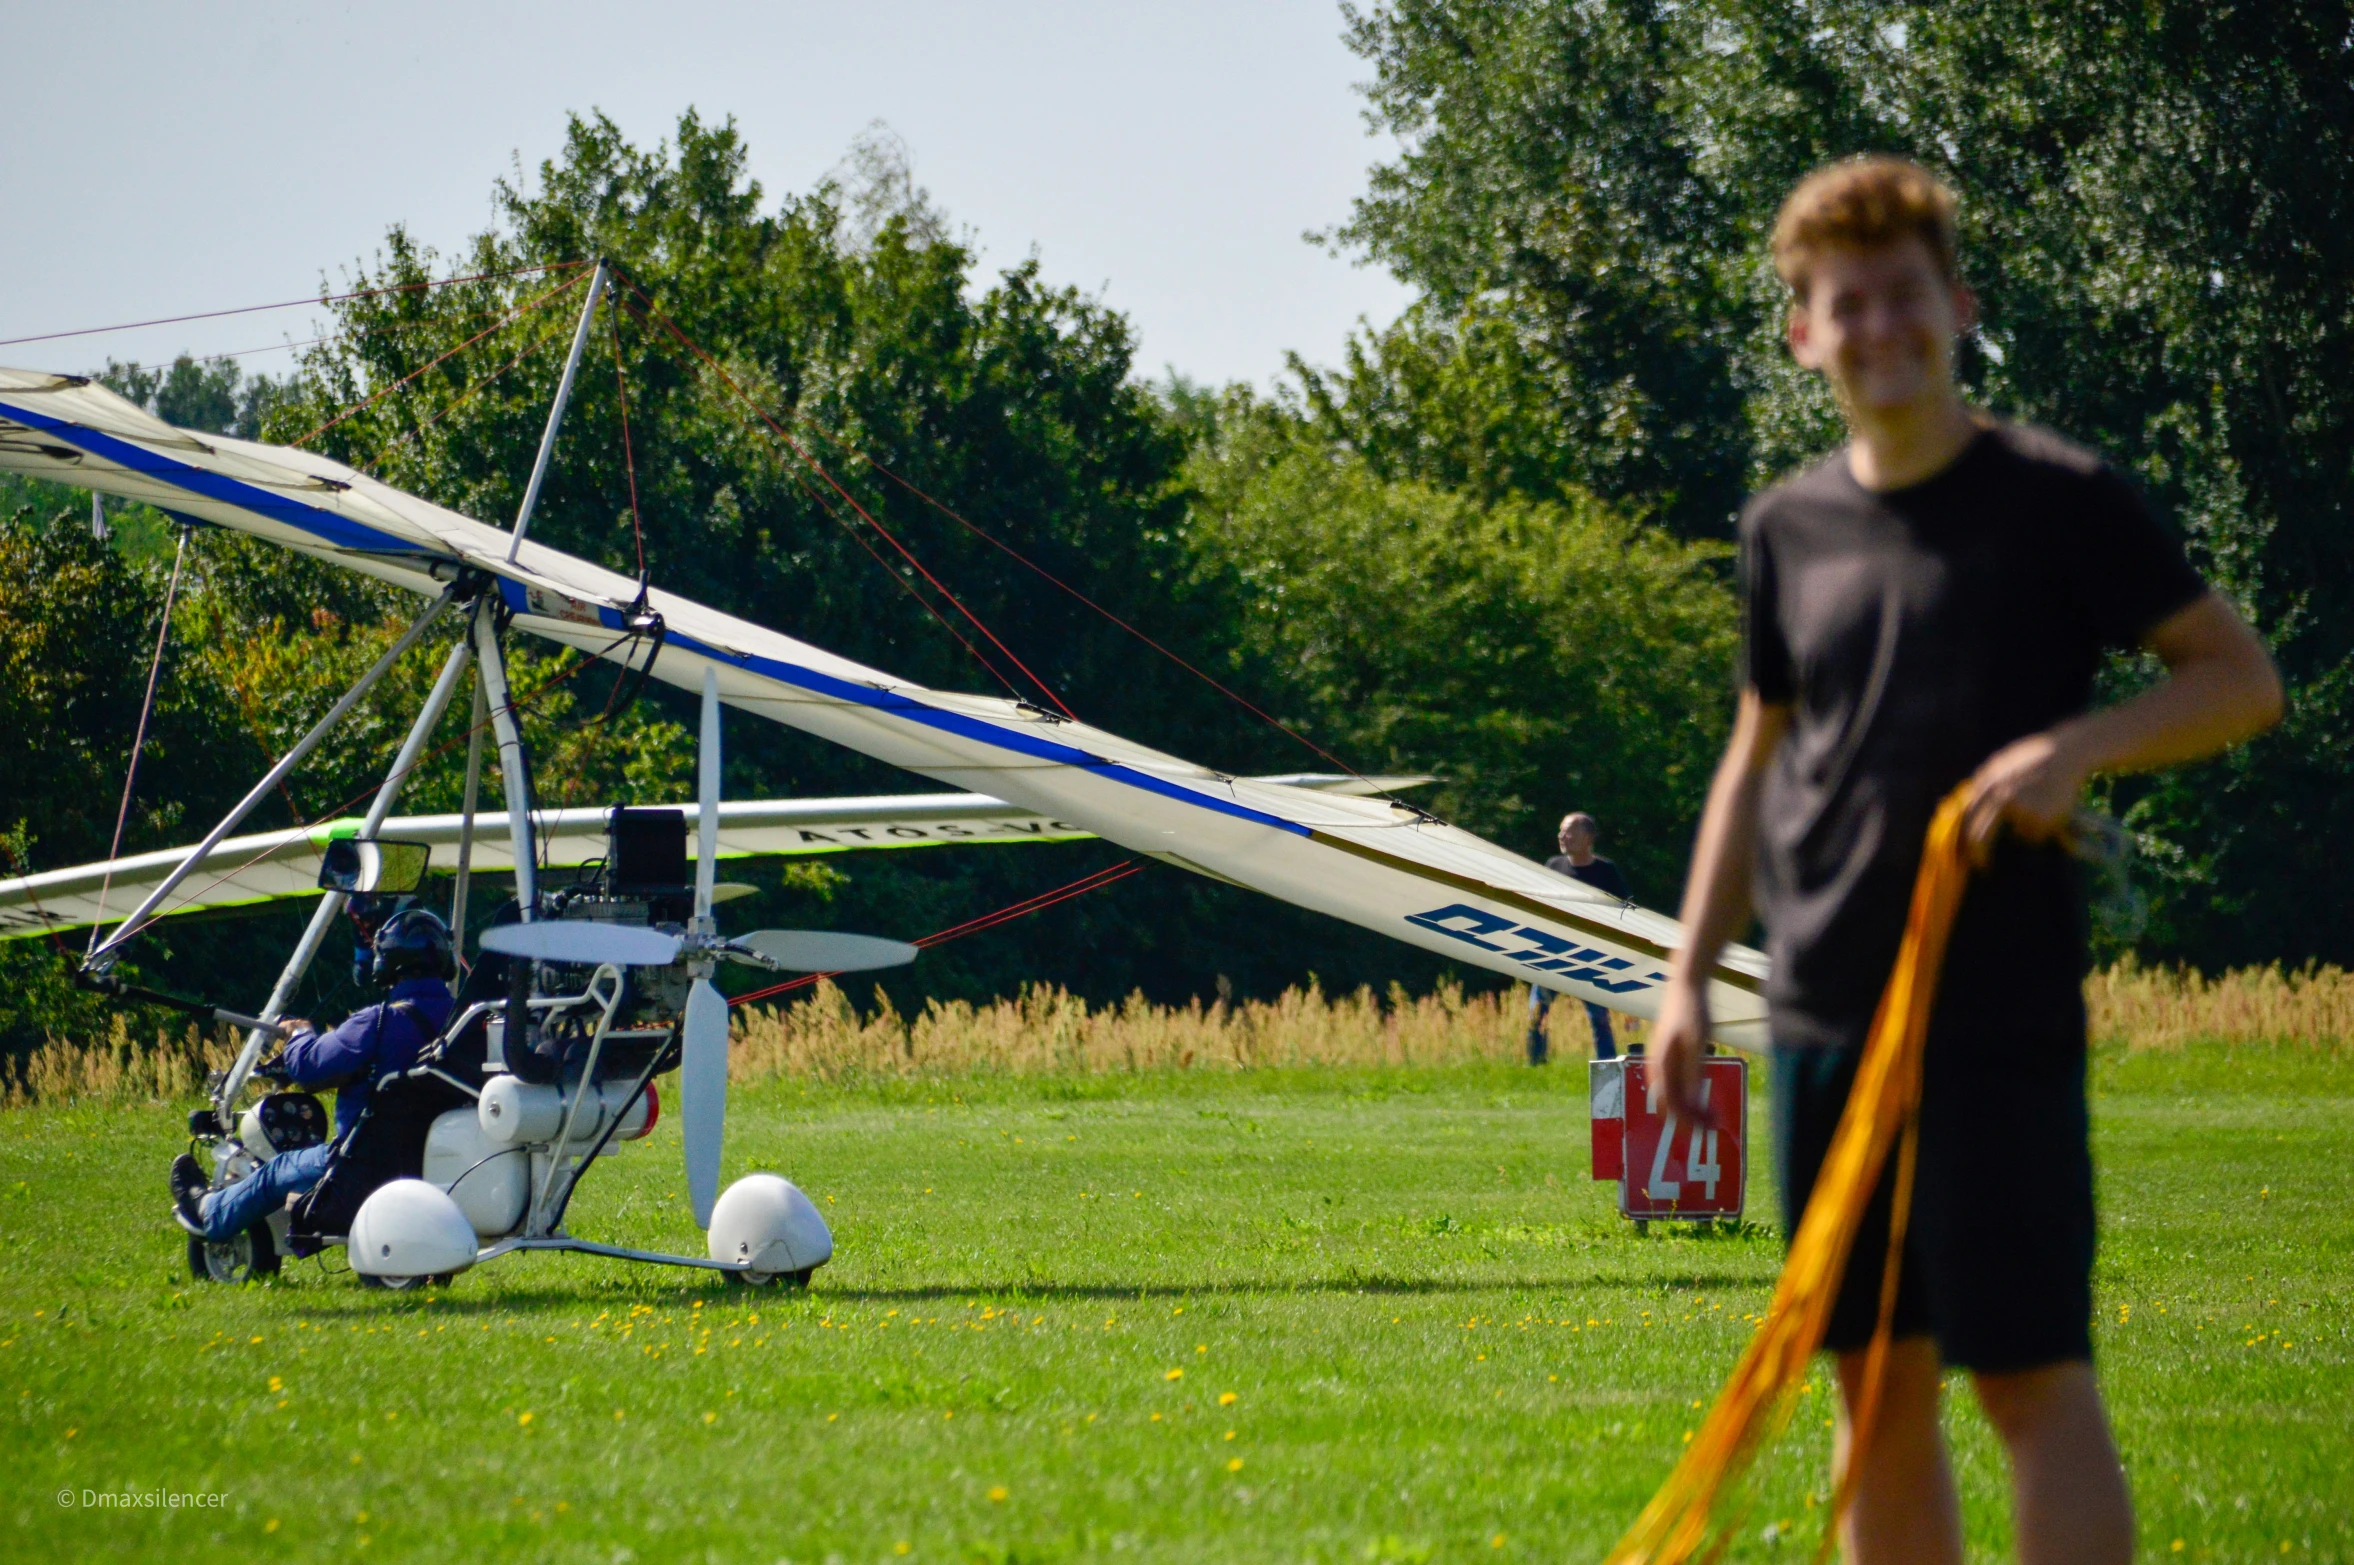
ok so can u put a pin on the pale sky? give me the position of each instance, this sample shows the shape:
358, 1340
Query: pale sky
169, 159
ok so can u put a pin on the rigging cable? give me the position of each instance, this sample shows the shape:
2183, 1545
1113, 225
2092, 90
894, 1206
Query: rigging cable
998, 543
629, 464
554, 330
848, 499
122, 814
381, 393
973, 926
818, 500
288, 304
989, 538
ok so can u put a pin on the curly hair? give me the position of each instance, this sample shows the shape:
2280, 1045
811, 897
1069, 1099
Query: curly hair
1863, 203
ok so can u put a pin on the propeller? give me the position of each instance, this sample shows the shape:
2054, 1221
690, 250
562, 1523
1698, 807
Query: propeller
584, 943
820, 951
702, 1070
703, 1032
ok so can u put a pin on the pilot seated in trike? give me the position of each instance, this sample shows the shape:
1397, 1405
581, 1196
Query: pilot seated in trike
411, 956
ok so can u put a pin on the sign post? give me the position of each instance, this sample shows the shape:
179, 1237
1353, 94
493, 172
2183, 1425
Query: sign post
1666, 1168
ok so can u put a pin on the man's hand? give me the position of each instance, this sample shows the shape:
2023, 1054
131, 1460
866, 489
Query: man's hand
1679, 1039
2030, 785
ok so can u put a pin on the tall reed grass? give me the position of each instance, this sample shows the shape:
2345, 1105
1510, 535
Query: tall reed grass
1048, 1031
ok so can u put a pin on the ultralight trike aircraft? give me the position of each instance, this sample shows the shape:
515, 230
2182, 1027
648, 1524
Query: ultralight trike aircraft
592, 986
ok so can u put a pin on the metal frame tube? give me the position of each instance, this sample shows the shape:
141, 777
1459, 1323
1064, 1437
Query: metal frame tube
101, 959
474, 727
306, 950
514, 774
547, 439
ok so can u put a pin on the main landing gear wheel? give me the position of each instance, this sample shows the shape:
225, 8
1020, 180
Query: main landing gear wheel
403, 1284
799, 1279
241, 1259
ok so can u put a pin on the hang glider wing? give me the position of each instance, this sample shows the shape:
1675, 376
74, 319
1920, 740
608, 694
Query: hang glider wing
269, 866
1384, 866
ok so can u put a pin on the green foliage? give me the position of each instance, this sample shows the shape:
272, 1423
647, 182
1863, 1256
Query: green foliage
210, 395
1540, 656
2158, 199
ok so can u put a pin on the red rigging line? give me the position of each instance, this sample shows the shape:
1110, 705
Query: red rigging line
991, 539
974, 926
463, 397
503, 321
288, 304
906, 586
848, 499
998, 543
629, 464
819, 500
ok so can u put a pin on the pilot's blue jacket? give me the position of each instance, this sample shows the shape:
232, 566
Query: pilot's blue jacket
370, 1042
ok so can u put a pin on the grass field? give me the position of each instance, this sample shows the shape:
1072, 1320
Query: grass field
1334, 1314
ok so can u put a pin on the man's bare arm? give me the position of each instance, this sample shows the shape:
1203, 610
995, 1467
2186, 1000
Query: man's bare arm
1716, 897
2220, 688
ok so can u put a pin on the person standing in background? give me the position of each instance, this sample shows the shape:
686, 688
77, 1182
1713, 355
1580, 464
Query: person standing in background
1578, 860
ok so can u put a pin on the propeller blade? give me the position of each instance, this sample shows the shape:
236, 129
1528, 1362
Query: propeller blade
702, 1093
582, 942
823, 951
707, 798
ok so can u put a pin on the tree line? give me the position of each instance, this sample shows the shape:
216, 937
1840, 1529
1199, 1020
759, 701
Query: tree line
1490, 544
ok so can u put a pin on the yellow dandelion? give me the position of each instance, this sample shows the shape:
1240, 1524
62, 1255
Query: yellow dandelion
523, 1418
1234, 1465
710, 1418
1229, 1434
271, 1525
1226, 1399
276, 1384
1175, 1374
997, 1493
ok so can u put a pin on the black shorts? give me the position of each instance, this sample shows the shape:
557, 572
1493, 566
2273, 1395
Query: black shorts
1998, 1254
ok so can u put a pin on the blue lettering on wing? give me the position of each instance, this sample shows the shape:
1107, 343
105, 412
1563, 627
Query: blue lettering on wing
1481, 924
1544, 953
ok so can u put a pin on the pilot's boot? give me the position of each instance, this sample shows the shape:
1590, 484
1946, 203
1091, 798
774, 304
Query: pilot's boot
188, 1188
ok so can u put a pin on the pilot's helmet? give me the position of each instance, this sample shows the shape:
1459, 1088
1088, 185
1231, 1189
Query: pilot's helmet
412, 944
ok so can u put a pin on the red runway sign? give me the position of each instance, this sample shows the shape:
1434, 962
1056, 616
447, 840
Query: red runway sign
1666, 1168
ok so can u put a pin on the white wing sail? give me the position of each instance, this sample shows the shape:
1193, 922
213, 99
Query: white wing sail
271, 865
1383, 866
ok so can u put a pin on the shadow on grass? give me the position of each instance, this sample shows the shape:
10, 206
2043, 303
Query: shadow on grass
358, 1303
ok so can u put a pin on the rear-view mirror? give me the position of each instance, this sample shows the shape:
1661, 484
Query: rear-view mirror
359, 868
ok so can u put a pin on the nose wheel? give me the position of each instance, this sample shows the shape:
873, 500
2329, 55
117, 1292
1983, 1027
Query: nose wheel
237, 1260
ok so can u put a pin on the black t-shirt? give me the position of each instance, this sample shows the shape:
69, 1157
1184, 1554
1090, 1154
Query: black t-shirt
1597, 872
1913, 633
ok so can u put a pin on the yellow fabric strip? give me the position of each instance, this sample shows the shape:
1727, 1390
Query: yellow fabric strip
1678, 1523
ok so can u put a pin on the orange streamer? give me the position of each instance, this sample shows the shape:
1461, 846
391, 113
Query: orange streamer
1882, 1109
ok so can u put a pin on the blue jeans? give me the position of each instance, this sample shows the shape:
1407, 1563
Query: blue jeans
229, 1212
1605, 1041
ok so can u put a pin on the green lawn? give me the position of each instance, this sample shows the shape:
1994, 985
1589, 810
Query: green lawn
1315, 1316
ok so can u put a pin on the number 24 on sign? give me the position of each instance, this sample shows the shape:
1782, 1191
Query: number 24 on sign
1665, 1167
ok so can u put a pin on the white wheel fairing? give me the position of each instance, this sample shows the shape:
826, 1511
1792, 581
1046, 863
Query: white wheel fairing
764, 1223
409, 1229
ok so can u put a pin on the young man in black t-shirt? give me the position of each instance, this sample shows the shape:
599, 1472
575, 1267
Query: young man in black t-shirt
1930, 606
